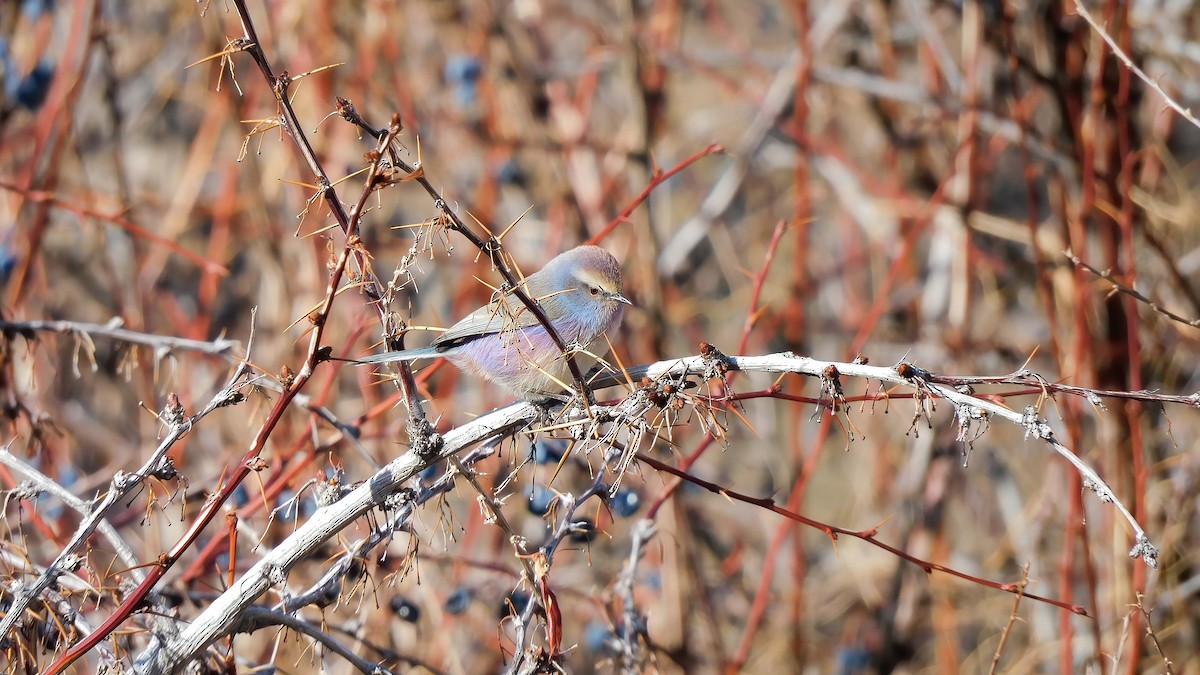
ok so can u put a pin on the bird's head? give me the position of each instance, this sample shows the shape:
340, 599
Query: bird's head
584, 282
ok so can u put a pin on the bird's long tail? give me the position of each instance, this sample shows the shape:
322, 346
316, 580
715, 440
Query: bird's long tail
404, 355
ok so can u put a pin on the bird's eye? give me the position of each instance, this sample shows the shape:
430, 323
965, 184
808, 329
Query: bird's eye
594, 291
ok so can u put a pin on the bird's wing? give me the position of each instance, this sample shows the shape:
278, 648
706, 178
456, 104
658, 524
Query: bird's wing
495, 317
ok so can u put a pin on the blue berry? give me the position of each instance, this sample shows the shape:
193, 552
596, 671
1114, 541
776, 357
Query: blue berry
32, 89
510, 173
285, 505
459, 601
597, 636
308, 506
405, 610
549, 450
626, 502
513, 604
852, 659
8, 263
541, 498
431, 473
34, 9
462, 73
462, 68
630, 633
583, 530
240, 496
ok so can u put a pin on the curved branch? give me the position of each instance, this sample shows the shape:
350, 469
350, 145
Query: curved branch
224, 613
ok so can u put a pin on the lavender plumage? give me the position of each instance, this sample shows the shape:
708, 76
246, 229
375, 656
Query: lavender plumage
580, 293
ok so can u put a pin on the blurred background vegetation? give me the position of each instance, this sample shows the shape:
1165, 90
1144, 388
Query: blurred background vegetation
931, 163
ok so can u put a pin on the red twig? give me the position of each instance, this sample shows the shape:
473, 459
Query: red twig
658, 178
869, 536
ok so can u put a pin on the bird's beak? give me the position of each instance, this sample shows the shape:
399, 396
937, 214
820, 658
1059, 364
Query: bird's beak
620, 298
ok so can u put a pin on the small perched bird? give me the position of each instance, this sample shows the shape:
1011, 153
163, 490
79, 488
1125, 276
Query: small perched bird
580, 293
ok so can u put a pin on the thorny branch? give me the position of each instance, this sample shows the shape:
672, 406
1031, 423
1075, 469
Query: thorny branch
271, 570
123, 484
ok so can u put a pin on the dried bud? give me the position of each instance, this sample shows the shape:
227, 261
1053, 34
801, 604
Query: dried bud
174, 413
